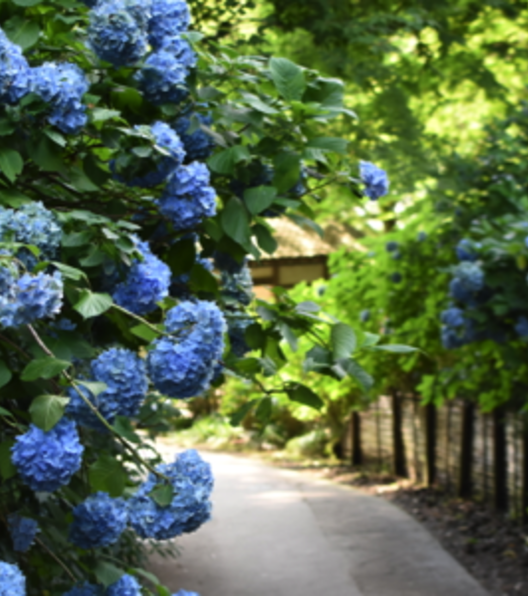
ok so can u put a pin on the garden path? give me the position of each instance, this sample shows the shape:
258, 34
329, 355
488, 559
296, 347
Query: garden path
277, 533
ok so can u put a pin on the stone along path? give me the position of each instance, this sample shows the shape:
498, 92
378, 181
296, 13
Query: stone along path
277, 533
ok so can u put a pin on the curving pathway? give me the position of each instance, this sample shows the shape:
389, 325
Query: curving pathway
277, 533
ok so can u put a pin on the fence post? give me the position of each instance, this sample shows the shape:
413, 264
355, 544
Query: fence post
499, 460
430, 443
399, 464
357, 453
465, 484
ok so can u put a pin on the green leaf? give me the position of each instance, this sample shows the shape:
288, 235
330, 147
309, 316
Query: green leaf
11, 163
224, 162
343, 340
47, 410
288, 78
44, 368
46, 155
357, 372
5, 374
259, 198
289, 336
24, 33
107, 574
103, 114
263, 411
26, 2
202, 280
92, 304
287, 169
4, 412
162, 494
258, 104
370, 339
255, 336
76, 239
56, 137
395, 348
307, 307
145, 332
265, 239
239, 415
6, 127
235, 221
69, 272
95, 387
107, 475
332, 144
7, 468
123, 427
304, 395
182, 256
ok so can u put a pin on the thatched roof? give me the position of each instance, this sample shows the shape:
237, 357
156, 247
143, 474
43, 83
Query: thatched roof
296, 241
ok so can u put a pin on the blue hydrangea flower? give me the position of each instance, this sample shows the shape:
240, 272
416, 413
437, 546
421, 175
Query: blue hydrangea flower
146, 283
29, 298
521, 327
32, 224
126, 586
396, 277
117, 32
124, 373
192, 481
162, 78
186, 593
188, 197
174, 154
183, 366
391, 246
198, 144
466, 250
467, 281
375, 180
47, 460
169, 17
98, 521
225, 262
15, 77
450, 338
238, 287
12, 582
453, 317
62, 87
421, 237
236, 329
364, 315
23, 531
85, 589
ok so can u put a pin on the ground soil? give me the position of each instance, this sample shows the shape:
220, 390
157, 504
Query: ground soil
493, 548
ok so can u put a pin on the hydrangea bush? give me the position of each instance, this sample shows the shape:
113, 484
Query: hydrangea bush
129, 214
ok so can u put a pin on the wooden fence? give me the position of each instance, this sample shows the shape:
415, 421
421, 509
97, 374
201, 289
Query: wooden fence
455, 446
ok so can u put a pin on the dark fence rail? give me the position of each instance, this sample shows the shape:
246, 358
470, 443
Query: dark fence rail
456, 446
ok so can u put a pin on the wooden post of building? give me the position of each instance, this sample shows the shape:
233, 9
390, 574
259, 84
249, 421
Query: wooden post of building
465, 485
357, 454
430, 443
398, 461
500, 464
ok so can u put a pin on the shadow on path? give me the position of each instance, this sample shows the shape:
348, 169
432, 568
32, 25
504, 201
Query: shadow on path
277, 533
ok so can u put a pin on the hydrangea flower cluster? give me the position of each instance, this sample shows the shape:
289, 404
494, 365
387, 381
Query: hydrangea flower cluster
124, 374
15, 74
466, 250
190, 507
236, 329
238, 287
146, 283
23, 531
47, 460
198, 144
32, 224
12, 582
118, 31
85, 589
521, 327
98, 521
186, 593
183, 366
62, 87
364, 315
467, 282
162, 78
169, 18
180, 283
391, 246
166, 139
188, 197
126, 586
29, 298
375, 180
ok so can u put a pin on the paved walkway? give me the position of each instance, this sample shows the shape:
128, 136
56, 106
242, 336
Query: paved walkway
277, 533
